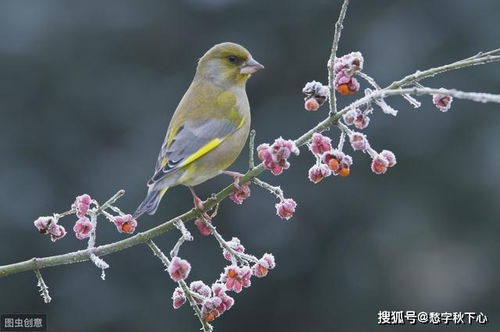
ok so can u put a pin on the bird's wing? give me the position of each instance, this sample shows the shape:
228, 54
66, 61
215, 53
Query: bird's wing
192, 140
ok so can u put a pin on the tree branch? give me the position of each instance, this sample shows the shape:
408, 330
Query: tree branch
393, 89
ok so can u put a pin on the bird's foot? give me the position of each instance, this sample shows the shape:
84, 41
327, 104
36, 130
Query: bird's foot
198, 203
236, 178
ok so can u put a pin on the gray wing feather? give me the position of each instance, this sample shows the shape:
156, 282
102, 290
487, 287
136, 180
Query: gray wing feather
189, 139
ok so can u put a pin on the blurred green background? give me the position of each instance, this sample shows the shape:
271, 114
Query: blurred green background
86, 92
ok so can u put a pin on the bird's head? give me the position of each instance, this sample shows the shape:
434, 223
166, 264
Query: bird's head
227, 64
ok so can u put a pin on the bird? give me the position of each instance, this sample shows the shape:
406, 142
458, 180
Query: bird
209, 127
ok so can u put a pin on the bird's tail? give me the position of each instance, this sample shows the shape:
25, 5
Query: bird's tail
150, 204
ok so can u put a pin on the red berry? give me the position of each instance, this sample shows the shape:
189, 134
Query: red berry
334, 164
311, 104
344, 172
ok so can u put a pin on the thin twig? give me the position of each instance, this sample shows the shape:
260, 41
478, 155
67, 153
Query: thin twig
251, 149
479, 59
340, 147
63, 214
242, 258
98, 262
333, 55
110, 201
276, 190
43, 288
185, 236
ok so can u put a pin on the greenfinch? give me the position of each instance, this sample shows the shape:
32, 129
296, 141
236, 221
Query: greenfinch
210, 126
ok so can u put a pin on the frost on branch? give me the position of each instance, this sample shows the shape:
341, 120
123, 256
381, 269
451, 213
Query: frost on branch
87, 210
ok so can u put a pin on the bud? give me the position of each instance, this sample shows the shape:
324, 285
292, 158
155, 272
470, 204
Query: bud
262, 267
275, 156
178, 269
82, 204
200, 288
286, 208
83, 227
442, 101
316, 94
320, 144
235, 277
358, 141
125, 224
346, 85
379, 164
349, 64
238, 195
202, 227
311, 104
390, 157
178, 298
318, 172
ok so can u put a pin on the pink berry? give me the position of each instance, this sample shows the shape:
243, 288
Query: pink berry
442, 101
379, 164
82, 204
179, 269
238, 195
56, 232
202, 227
275, 156
200, 288
209, 310
83, 227
358, 141
262, 267
125, 224
178, 298
234, 244
311, 105
319, 172
286, 208
43, 223
390, 157
320, 144
235, 277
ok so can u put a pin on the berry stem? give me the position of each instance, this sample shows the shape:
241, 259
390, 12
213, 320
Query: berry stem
332, 101
189, 295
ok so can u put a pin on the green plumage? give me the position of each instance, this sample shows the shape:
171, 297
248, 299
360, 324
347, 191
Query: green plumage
210, 125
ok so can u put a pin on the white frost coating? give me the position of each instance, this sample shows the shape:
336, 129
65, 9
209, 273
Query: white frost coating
185, 233
43, 289
385, 107
100, 263
185, 236
415, 103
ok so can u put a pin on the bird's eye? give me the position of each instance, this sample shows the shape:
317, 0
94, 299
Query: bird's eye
232, 59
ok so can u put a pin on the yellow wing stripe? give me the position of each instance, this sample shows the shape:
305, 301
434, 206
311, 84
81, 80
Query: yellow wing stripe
202, 151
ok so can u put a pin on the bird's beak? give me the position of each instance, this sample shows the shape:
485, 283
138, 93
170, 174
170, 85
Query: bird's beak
250, 66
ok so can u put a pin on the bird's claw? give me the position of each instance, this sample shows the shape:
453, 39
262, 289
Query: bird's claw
236, 178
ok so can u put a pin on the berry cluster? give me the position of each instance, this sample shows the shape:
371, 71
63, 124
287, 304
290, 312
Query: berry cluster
316, 95
333, 161
275, 156
345, 68
214, 300
86, 209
